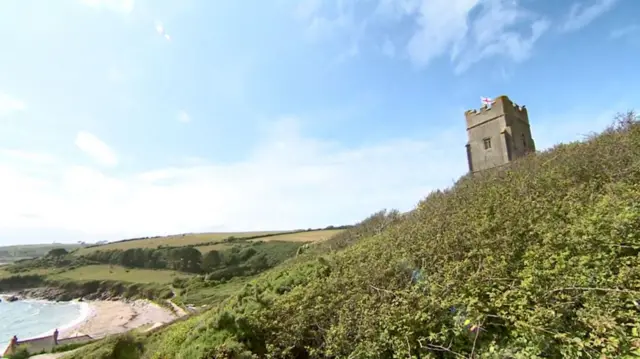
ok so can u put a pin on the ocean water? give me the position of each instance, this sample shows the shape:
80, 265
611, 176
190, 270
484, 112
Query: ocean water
34, 318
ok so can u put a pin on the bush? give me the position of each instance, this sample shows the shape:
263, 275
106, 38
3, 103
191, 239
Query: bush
21, 353
539, 259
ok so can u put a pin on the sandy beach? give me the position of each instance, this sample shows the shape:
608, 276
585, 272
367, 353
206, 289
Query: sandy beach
113, 317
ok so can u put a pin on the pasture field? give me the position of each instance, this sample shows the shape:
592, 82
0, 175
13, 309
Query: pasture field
117, 273
215, 246
173, 241
311, 236
36, 271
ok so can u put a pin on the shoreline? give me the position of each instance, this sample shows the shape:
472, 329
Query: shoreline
101, 318
114, 317
85, 311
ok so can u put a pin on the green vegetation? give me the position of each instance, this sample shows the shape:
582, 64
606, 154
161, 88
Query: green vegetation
180, 240
188, 274
206, 239
306, 236
118, 273
10, 254
21, 353
124, 346
237, 257
536, 260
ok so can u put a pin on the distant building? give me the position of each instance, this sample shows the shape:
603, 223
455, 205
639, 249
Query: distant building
497, 135
43, 344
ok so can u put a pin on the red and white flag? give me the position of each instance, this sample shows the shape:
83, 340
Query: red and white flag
486, 101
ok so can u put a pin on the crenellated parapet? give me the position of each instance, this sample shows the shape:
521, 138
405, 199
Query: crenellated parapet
500, 106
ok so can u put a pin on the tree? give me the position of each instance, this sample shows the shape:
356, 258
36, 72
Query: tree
211, 261
187, 259
58, 252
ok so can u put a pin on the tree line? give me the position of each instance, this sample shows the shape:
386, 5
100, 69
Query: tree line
240, 259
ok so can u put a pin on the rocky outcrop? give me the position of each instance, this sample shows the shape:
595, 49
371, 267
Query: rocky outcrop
64, 295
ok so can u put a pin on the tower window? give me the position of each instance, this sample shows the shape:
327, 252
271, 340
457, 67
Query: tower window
487, 143
524, 141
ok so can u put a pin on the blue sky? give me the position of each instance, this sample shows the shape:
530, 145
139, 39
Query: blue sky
278, 114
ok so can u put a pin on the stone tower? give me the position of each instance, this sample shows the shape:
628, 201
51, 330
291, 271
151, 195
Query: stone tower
497, 135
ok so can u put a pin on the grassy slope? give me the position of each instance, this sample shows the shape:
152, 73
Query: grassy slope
173, 241
117, 273
312, 236
542, 257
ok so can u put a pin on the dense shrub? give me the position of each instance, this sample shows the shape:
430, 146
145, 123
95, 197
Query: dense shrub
539, 259
243, 258
21, 353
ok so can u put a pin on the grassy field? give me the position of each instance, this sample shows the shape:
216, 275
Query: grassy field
39, 271
293, 237
15, 252
302, 237
217, 247
173, 241
107, 272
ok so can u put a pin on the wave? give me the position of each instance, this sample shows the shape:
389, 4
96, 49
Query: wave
85, 311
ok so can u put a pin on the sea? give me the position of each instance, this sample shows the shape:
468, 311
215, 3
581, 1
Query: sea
36, 318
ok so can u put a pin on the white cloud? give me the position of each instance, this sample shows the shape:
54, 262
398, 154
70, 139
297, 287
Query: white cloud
35, 157
184, 117
289, 181
96, 149
10, 104
465, 30
121, 6
447, 28
581, 15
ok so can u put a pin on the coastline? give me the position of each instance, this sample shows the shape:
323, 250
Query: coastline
101, 318
114, 317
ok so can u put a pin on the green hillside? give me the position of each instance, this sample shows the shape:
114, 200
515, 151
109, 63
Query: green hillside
13, 253
538, 260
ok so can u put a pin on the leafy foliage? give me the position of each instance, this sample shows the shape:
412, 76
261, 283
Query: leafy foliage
242, 258
536, 260
123, 346
58, 252
21, 353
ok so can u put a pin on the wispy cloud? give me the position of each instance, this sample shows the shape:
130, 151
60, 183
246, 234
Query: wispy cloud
96, 149
500, 28
580, 15
321, 179
465, 30
10, 104
184, 117
120, 6
624, 31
